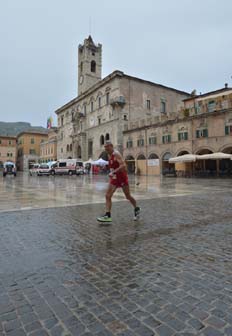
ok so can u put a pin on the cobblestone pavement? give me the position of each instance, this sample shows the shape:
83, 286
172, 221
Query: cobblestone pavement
170, 273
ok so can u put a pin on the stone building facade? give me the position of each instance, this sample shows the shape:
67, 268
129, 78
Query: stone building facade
203, 125
8, 147
48, 149
29, 148
105, 108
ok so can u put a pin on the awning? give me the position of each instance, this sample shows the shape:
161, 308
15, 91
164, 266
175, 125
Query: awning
184, 158
214, 156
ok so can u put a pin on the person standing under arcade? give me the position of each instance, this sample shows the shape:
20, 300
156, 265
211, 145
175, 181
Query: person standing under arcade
118, 179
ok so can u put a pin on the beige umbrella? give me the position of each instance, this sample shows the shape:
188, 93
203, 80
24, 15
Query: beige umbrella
214, 156
184, 158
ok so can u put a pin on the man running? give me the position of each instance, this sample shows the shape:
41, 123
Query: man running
118, 179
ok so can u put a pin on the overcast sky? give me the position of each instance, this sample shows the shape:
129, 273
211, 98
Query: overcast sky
185, 44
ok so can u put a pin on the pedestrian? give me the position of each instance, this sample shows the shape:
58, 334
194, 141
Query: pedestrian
118, 179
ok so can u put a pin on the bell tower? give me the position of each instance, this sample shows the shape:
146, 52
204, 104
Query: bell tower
89, 64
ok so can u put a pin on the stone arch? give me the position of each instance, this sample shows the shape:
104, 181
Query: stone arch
93, 66
204, 150
226, 149
141, 157
102, 140
183, 152
153, 156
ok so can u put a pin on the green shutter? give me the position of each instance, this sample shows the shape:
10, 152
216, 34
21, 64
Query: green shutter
169, 138
178, 136
227, 130
197, 134
186, 135
163, 138
205, 133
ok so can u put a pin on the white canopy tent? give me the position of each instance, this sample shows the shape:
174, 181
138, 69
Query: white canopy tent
100, 162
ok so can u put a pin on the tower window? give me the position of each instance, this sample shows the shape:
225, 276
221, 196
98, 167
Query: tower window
163, 107
81, 66
99, 102
102, 140
148, 104
91, 106
93, 66
107, 98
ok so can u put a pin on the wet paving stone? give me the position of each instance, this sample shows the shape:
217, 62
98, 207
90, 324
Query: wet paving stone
168, 274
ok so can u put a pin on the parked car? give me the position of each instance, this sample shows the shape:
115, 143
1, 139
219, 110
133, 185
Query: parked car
9, 168
34, 169
66, 166
43, 169
80, 170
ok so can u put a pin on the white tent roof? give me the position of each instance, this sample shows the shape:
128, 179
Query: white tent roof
214, 156
183, 158
100, 162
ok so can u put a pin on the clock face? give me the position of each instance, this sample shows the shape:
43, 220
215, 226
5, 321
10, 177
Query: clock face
81, 79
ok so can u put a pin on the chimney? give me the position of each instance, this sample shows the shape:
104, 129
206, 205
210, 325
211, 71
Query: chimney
226, 85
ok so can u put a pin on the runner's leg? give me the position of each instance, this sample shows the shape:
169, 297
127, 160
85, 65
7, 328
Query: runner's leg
109, 193
126, 190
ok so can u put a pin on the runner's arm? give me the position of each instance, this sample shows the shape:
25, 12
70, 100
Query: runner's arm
122, 164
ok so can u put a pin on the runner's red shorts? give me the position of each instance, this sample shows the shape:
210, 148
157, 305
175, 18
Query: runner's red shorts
120, 181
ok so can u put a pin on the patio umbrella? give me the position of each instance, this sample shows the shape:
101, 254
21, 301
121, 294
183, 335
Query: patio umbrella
214, 156
100, 162
183, 158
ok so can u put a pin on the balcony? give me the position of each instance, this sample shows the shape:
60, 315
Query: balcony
118, 101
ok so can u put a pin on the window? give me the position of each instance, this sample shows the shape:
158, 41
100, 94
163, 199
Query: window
166, 138
129, 143
99, 121
61, 150
32, 151
148, 104
93, 66
140, 142
84, 109
62, 121
91, 106
152, 140
70, 147
72, 115
211, 106
99, 102
182, 136
125, 117
163, 107
52, 150
62, 164
32, 141
102, 140
107, 98
90, 148
0, 142
10, 142
67, 148
228, 130
107, 136
81, 66
62, 135
202, 133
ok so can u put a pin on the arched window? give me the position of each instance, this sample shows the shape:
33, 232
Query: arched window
102, 140
93, 66
141, 157
107, 136
70, 147
67, 148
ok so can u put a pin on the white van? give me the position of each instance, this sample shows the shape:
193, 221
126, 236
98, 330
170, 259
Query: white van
66, 166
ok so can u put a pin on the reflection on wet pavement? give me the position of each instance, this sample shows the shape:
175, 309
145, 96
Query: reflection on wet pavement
26, 192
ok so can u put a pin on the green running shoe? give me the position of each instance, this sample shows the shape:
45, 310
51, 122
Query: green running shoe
104, 219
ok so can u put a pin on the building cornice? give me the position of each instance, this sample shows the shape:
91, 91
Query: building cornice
178, 120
